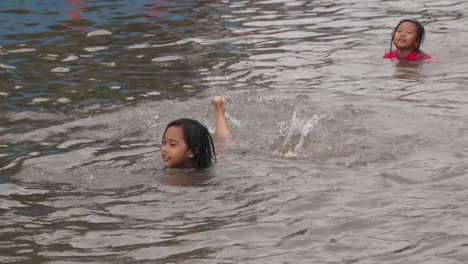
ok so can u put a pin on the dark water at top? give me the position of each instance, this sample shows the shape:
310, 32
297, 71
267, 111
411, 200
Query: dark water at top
341, 157
86, 52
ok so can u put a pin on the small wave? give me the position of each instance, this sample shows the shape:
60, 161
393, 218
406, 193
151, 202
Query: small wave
21, 50
4, 66
99, 32
93, 49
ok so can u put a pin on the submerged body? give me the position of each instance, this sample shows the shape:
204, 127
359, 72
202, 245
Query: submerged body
407, 37
413, 56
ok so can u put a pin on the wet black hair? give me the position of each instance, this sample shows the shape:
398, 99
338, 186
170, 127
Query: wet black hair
419, 37
198, 140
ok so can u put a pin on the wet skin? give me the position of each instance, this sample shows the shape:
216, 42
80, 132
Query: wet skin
174, 150
405, 38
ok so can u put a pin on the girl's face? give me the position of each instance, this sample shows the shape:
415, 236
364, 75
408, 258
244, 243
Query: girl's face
174, 150
406, 36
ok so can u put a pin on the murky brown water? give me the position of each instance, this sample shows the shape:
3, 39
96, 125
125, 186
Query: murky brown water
342, 157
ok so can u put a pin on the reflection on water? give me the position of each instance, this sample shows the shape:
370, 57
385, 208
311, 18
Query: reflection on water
341, 157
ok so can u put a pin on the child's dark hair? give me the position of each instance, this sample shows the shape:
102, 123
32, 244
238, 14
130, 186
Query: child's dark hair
419, 37
198, 140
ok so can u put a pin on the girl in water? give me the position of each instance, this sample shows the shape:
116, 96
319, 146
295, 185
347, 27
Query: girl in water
408, 37
188, 144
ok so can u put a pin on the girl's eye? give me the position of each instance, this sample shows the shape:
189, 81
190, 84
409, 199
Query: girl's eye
173, 145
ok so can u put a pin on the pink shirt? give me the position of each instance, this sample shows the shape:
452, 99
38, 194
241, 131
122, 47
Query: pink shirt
415, 56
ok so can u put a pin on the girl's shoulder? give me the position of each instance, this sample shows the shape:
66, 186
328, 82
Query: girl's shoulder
418, 55
391, 55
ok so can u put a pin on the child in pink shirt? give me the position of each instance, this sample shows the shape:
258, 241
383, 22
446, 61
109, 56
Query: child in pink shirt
407, 37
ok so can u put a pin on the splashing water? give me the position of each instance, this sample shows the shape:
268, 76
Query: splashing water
294, 137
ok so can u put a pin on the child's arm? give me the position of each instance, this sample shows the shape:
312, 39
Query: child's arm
223, 133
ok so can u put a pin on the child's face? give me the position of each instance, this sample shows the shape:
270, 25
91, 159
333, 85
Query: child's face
406, 36
174, 150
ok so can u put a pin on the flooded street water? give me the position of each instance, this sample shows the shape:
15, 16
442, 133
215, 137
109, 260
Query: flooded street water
340, 156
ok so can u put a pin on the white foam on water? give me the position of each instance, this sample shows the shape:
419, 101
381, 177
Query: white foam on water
73, 142
21, 50
4, 66
51, 56
166, 58
179, 42
298, 3
63, 100
139, 46
60, 69
93, 49
99, 32
70, 58
39, 100
153, 93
